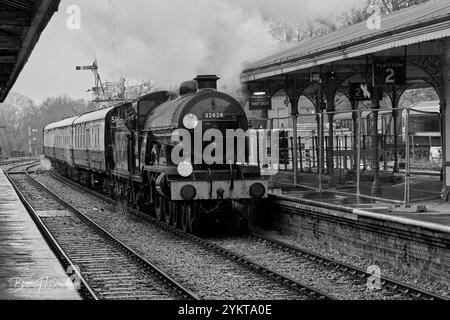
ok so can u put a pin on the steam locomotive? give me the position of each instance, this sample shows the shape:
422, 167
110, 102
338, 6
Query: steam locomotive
130, 152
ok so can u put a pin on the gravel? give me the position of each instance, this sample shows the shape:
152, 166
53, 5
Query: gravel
208, 274
39, 199
213, 277
333, 282
342, 256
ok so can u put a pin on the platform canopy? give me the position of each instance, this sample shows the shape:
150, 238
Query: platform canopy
413, 25
21, 24
409, 49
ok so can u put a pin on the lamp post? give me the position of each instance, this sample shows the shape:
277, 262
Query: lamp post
31, 140
320, 106
1, 149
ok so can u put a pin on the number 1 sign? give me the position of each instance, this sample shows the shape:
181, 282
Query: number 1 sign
389, 71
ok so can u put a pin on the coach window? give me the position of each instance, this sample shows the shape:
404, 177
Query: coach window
91, 138
88, 138
98, 138
94, 137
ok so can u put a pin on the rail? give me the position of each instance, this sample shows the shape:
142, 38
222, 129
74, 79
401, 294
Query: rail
88, 290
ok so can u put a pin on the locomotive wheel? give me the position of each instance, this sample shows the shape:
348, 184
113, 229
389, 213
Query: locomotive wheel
141, 201
241, 213
162, 209
158, 207
166, 209
188, 219
175, 213
186, 209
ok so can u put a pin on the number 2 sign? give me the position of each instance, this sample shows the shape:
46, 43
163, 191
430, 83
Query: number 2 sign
389, 71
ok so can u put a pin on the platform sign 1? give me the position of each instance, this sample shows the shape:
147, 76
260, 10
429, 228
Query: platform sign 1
360, 91
389, 71
260, 102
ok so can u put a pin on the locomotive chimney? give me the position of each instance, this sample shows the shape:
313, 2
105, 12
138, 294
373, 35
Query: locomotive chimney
207, 81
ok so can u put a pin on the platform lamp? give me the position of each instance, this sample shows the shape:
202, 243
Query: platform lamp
315, 77
260, 94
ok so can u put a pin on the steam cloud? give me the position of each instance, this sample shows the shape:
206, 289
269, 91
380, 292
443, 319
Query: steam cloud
173, 40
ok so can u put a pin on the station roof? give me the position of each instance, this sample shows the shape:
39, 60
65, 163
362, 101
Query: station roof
425, 22
21, 24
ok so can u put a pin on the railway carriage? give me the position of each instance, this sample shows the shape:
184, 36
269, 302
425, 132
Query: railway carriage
58, 141
127, 151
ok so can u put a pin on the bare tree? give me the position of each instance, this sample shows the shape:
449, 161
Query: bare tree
395, 5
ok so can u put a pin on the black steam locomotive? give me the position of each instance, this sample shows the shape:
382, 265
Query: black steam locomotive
130, 151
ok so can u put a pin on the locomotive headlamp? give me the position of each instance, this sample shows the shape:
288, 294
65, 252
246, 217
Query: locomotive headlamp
257, 191
190, 121
188, 192
185, 169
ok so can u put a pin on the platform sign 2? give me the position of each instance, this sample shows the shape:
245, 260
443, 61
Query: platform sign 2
360, 91
389, 71
260, 102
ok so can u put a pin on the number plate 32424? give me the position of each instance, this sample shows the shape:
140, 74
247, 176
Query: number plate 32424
213, 115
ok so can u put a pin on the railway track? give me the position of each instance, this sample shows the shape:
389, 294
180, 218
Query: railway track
292, 259
104, 267
17, 165
387, 283
284, 288
357, 275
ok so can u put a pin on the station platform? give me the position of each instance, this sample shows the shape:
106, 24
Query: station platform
426, 205
432, 213
406, 239
29, 270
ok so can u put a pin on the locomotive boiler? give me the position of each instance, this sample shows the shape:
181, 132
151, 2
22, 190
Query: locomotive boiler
183, 159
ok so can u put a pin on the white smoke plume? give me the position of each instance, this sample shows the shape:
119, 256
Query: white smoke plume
174, 40
45, 164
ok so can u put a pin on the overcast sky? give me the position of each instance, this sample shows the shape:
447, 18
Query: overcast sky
168, 41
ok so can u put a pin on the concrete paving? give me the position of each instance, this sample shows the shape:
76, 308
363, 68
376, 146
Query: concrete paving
29, 270
424, 194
